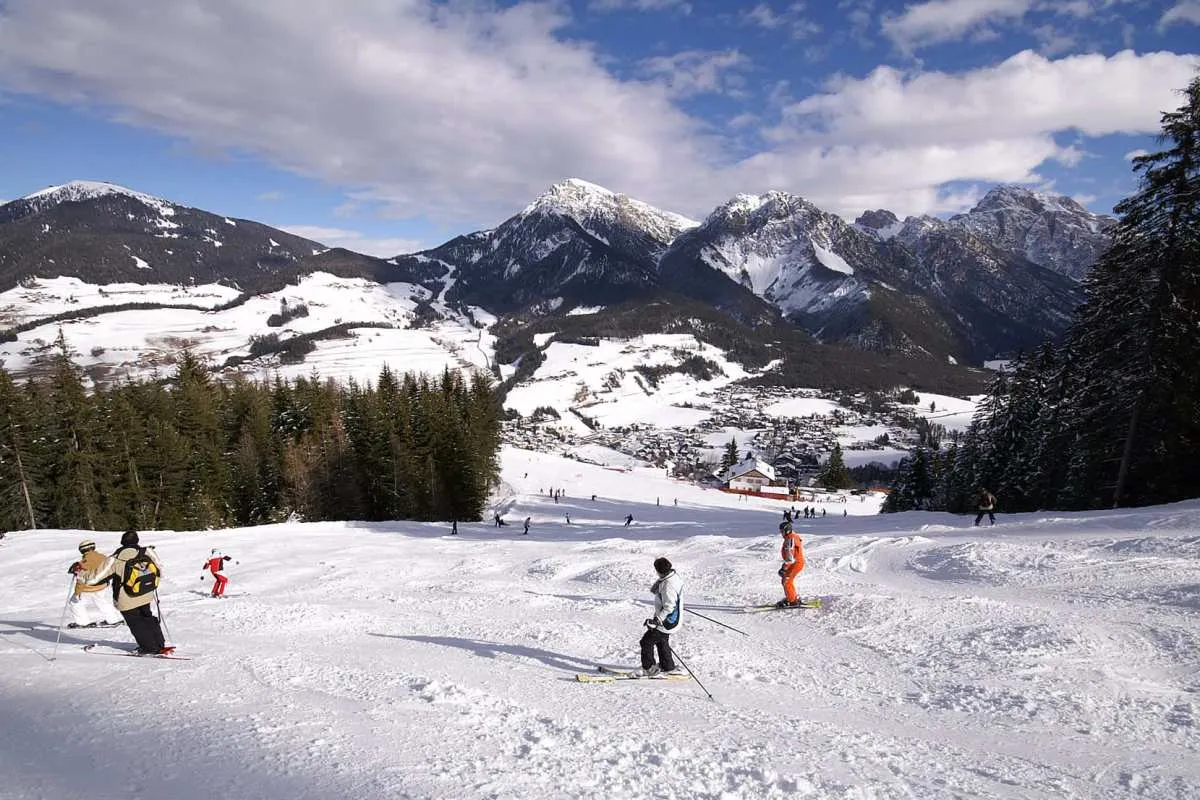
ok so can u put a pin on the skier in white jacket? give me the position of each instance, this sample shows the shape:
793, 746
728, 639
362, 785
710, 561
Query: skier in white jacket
668, 615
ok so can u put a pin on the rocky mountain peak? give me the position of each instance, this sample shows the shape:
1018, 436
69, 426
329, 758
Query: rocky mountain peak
1052, 231
587, 202
755, 210
880, 222
1008, 198
877, 219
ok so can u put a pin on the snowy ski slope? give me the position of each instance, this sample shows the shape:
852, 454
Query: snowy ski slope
1053, 656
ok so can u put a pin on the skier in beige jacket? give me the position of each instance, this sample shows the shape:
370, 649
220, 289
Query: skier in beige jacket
87, 597
137, 572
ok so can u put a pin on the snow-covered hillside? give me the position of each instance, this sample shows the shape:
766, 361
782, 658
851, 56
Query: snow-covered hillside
139, 342
1053, 656
603, 382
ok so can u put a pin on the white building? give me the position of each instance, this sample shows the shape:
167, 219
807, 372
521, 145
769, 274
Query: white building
749, 476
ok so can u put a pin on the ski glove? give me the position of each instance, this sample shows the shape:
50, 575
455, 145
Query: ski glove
75, 568
783, 570
650, 622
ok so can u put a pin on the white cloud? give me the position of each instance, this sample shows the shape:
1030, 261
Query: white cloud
1024, 95
271, 196
899, 135
452, 110
463, 112
683, 6
695, 72
1185, 11
792, 19
1132, 154
355, 240
947, 20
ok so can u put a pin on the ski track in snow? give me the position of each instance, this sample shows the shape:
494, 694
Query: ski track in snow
1053, 656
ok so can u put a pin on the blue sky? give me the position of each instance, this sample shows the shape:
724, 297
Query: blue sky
386, 125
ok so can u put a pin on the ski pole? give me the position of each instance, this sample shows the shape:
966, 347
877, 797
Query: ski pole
161, 619
63, 618
689, 671
718, 622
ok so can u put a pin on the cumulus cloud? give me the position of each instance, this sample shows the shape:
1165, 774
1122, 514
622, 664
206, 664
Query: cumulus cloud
792, 20
936, 21
383, 247
1183, 12
425, 107
695, 72
1027, 94
463, 112
682, 6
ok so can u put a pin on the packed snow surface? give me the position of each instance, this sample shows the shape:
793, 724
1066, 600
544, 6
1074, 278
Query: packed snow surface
1053, 656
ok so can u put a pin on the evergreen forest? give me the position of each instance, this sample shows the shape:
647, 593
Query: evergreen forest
1110, 416
192, 452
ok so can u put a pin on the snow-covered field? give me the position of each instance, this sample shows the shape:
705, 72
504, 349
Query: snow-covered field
139, 343
602, 381
1053, 656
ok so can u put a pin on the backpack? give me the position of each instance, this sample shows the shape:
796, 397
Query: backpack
141, 575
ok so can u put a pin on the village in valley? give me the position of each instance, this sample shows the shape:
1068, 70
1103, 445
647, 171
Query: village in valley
765, 442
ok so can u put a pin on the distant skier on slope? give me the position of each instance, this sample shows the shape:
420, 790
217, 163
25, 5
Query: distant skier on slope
136, 572
668, 615
628, 520
216, 561
95, 596
792, 553
985, 503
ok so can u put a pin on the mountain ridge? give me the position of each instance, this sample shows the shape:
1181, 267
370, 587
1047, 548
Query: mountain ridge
995, 279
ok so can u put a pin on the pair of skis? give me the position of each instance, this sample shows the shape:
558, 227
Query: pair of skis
608, 675
811, 603
105, 650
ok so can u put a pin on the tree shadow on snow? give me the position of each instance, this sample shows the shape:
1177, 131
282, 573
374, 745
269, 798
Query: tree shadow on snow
486, 649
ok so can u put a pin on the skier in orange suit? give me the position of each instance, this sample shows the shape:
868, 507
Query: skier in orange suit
792, 553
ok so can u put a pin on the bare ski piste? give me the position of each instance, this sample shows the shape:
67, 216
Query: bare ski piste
608, 675
102, 650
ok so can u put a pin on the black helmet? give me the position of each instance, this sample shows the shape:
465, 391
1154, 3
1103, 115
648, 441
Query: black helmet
129, 538
662, 566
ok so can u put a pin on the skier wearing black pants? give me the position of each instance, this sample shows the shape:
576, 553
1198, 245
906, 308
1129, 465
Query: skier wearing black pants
668, 614
135, 571
985, 503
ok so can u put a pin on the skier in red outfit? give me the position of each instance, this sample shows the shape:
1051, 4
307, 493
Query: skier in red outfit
214, 565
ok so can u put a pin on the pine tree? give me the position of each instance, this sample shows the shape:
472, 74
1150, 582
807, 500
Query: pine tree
1135, 340
73, 466
18, 483
835, 475
730, 457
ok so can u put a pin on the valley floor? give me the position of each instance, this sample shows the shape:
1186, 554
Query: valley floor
1052, 656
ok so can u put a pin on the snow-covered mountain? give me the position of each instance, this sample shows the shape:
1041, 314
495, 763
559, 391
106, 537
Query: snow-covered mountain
782, 248
103, 233
1052, 231
924, 286
577, 244
582, 262
1052, 656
